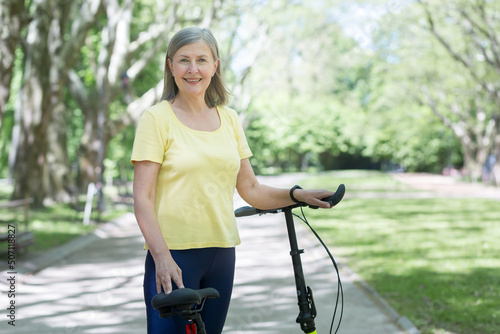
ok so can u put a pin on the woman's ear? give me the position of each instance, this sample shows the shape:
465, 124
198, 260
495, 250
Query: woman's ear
169, 63
215, 67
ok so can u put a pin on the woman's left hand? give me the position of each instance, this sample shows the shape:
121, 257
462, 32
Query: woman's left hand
313, 197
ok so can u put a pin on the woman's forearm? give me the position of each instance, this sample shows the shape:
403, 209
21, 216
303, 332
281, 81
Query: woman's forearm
266, 197
145, 178
150, 228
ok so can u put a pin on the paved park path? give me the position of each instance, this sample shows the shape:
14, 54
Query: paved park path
94, 284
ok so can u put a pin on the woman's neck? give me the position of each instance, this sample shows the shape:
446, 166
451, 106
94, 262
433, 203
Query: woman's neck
194, 105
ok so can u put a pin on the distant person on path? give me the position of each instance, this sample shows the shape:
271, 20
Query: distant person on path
189, 155
489, 170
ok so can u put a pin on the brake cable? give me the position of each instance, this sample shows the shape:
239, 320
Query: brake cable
340, 290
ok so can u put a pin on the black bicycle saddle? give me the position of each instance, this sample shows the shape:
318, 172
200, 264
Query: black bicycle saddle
181, 299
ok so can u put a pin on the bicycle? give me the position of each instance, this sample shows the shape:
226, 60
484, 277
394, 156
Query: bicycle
189, 303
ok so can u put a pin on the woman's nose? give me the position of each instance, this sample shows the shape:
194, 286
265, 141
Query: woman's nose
192, 67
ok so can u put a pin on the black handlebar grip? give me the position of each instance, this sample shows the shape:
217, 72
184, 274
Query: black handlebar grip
337, 197
333, 199
245, 211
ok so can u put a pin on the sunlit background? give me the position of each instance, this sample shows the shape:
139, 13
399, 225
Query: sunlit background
320, 85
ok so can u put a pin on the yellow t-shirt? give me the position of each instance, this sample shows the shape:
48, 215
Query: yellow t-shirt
197, 178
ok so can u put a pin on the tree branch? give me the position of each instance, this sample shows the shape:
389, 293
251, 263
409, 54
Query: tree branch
88, 14
459, 131
138, 63
495, 45
77, 90
494, 59
136, 108
211, 14
490, 88
447, 46
122, 19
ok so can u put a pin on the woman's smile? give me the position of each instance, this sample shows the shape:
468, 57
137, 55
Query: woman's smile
193, 80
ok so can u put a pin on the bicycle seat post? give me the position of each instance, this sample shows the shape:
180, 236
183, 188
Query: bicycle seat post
304, 295
200, 325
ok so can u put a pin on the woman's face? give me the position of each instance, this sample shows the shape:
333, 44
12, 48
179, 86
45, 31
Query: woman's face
193, 67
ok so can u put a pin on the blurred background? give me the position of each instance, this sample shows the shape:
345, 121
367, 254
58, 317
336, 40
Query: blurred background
319, 85
342, 91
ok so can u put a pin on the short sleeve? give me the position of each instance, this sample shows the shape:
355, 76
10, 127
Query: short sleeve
150, 139
243, 147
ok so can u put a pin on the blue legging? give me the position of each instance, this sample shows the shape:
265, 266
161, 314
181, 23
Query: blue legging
201, 268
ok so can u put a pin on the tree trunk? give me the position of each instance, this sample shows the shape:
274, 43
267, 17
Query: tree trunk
36, 96
61, 183
472, 162
87, 151
13, 18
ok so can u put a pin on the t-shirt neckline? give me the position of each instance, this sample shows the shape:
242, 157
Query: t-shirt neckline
177, 120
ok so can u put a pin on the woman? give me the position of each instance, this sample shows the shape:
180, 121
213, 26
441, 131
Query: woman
189, 155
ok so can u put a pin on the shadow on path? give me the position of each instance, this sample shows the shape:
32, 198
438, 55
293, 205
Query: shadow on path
98, 288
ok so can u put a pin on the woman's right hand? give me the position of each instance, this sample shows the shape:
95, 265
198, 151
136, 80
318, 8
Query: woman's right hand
166, 272
145, 179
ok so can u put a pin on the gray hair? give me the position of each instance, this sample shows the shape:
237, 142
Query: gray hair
216, 93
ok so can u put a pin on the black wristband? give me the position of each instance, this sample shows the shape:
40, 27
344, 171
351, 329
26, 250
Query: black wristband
291, 193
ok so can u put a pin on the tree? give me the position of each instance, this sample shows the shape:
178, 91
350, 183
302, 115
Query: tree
440, 57
55, 33
471, 112
398, 128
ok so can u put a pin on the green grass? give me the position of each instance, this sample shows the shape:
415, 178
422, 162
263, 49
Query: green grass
434, 260
52, 226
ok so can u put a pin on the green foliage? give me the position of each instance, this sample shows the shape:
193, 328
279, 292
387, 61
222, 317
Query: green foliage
292, 136
75, 124
117, 161
433, 259
86, 66
143, 13
150, 76
5, 143
314, 81
413, 138
436, 54
400, 127
8, 120
63, 226
307, 87
320, 96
